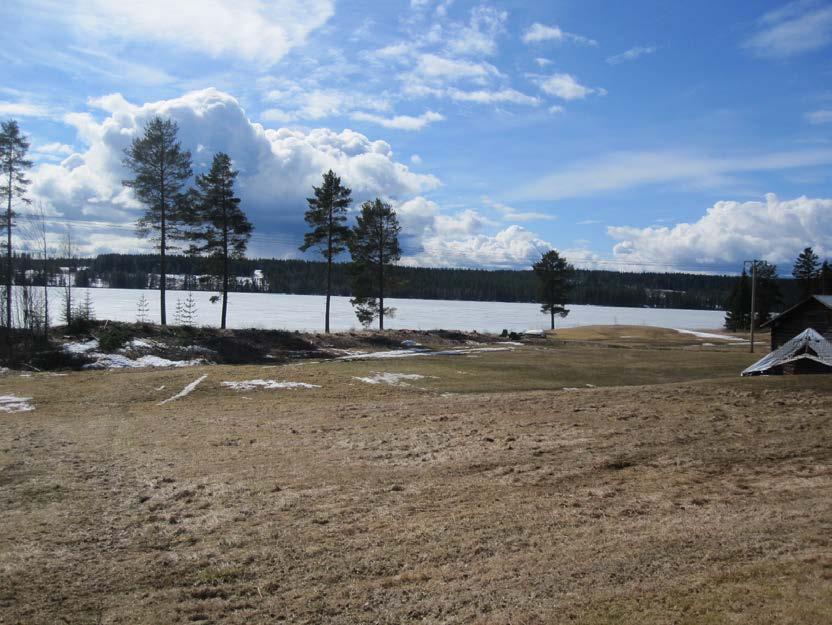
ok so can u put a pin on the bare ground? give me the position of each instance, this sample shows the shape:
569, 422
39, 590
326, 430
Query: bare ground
485, 494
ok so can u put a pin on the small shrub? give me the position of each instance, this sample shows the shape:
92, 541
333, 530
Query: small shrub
112, 338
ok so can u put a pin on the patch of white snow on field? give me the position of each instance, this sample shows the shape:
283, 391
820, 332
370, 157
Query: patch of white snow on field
119, 361
81, 348
394, 379
11, 403
185, 391
710, 335
409, 353
141, 344
515, 343
247, 385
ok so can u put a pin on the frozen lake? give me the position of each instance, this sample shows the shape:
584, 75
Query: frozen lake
306, 312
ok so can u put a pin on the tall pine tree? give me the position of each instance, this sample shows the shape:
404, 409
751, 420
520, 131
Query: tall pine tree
554, 276
326, 215
219, 227
161, 168
738, 306
807, 271
374, 247
769, 296
826, 278
13, 186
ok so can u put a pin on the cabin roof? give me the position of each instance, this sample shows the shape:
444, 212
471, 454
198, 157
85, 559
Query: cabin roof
826, 300
808, 344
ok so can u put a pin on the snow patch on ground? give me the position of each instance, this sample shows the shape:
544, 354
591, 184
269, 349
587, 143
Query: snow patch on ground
81, 348
198, 349
12, 403
710, 335
185, 391
247, 385
410, 353
514, 343
119, 361
393, 379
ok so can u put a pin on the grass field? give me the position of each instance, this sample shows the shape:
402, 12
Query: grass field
588, 478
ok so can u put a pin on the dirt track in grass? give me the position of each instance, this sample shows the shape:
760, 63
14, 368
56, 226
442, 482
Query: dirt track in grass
670, 491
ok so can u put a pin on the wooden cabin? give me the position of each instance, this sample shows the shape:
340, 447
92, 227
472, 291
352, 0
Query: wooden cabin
814, 312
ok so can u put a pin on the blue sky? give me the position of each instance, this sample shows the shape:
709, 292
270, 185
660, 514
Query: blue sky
638, 135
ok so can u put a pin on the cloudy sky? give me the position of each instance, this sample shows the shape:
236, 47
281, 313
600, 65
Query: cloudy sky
640, 135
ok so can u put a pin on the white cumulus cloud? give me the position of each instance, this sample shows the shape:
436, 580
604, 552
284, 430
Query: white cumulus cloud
567, 87
513, 247
731, 232
277, 166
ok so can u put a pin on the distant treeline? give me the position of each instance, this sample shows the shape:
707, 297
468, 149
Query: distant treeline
597, 287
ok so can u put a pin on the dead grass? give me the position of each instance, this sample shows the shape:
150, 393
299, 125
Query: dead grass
486, 494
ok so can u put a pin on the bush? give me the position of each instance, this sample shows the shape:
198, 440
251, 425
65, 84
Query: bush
112, 338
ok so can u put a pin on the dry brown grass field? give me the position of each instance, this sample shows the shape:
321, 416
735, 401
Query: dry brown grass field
590, 478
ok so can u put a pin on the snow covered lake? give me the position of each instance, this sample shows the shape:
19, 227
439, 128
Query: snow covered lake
306, 312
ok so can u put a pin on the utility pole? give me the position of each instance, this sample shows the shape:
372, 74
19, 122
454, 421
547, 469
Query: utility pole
753, 299
753, 296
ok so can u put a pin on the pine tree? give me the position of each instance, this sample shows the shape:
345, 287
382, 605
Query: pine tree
374, 246
555, 277
738, 306
807, 271
13, 185
177, 313
220, 228
826, 278
86, 311
189, 311
768, 295
142, 309
161, 169
326, 216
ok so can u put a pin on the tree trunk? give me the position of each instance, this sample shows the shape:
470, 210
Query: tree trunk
328, 272
45, 300
553, 318
381, 279
9, 272
224, 269
162, 268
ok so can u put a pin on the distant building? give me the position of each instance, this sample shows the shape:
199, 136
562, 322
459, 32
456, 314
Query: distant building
814, 312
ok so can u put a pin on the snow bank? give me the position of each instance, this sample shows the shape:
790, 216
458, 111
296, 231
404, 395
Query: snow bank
710, 335
393, 379
247, 385
410, 353
81, 348
185, 391
119, 361
12, 403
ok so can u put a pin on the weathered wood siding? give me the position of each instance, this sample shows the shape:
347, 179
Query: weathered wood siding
812, 314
